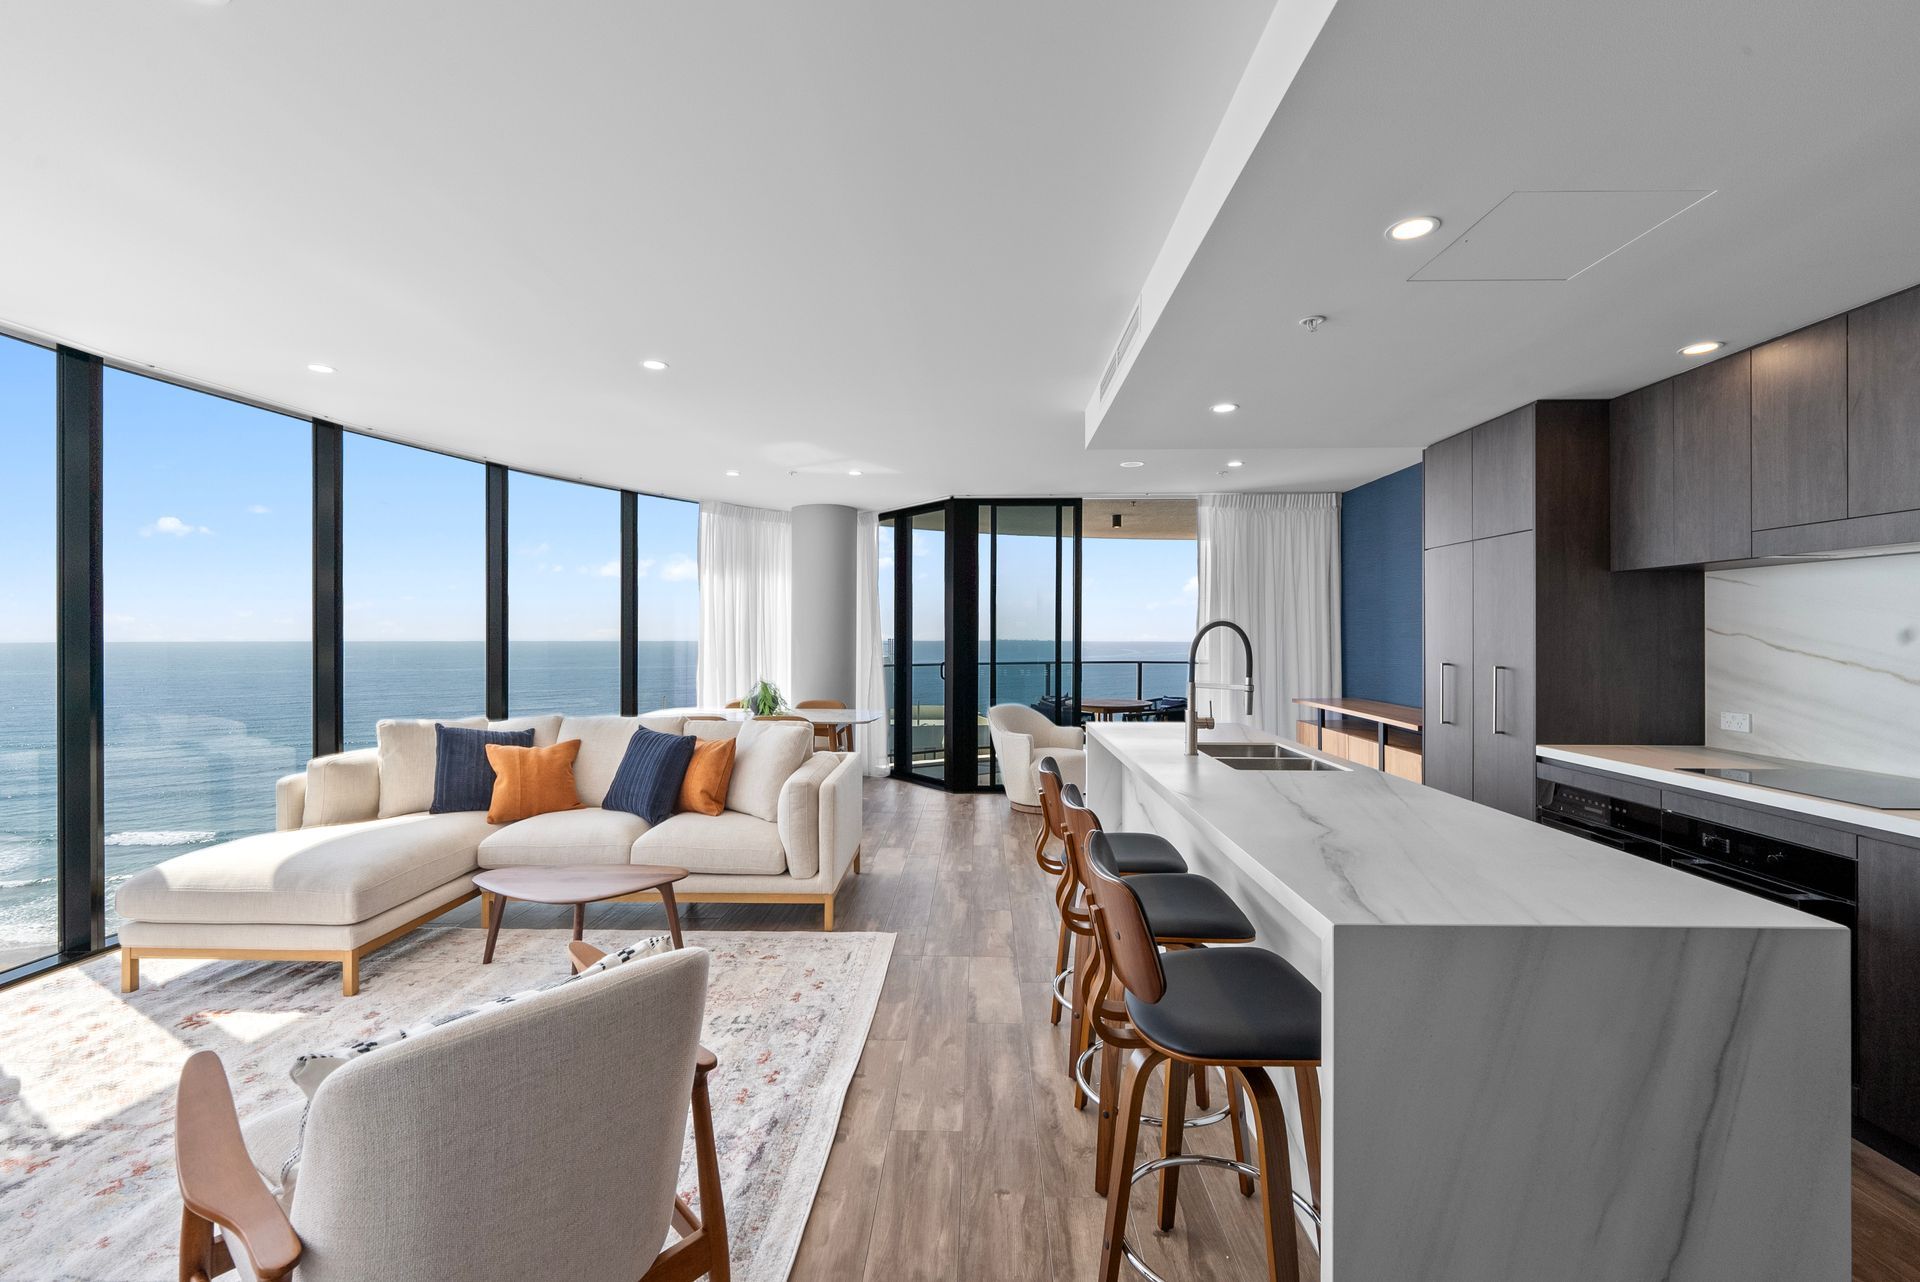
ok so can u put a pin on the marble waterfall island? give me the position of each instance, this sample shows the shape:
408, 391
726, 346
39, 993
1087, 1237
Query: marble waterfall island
1543, 1059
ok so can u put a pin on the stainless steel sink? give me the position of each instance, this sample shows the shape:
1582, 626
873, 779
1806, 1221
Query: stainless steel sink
1262, 756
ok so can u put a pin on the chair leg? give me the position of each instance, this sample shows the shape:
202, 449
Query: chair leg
1306, 1084
349, 974
129, 971
1173, 1127
1084, 995
1276, 1177
1126, 1137
1059, 964
1237, 1119
1109, 1114
1202, 1093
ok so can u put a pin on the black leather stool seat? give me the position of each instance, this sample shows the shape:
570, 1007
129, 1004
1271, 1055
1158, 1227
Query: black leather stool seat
1138, 852
1185, 905
1232, 1005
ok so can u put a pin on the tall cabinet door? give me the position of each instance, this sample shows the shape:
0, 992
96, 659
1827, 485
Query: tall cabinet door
1883, 403
1641, 432
1447, 737
1713, 461
1888, 940
1504, 673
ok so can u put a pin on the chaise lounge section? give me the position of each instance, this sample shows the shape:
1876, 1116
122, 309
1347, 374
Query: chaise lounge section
356, 860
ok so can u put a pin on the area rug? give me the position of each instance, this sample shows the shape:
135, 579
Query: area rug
87, 1188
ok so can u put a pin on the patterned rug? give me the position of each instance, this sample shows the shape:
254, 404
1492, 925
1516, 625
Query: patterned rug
87, 1076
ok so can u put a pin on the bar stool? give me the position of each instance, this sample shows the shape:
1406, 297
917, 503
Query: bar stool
1141, 852
1183, 910
1237, 1009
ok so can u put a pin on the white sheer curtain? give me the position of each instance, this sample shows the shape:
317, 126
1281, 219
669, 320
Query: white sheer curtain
869, 677
1270, 563
746, 601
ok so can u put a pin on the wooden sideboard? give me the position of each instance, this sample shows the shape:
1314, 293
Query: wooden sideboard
1368, 732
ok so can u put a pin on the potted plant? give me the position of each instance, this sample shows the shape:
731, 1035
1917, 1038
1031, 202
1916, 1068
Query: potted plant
765, 699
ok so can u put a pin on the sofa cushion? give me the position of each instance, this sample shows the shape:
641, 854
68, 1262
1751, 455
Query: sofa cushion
767, 752
729, 842
585, 836
408, 753
333, 876
341, 789
648, 780
546, 728
663, 722
462, 775
603, 745
532, 781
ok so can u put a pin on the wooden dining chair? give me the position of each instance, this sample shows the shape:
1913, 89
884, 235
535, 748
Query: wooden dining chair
832, 738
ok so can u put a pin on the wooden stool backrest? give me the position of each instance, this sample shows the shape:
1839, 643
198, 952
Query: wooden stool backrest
1120, 926
1050, 785
1080, 823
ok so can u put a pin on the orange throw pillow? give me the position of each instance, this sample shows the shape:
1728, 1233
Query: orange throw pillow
531, 781
704, 790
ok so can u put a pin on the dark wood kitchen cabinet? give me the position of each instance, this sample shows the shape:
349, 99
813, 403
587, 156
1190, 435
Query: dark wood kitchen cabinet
1446, 482
1883, 406
1529, 635
1888, 970
1713, 462
1800, 427
1641, 439
1447, 729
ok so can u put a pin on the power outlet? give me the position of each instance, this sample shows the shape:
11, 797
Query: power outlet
1737, 722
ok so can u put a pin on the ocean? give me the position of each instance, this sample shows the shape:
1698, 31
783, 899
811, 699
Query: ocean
197, 732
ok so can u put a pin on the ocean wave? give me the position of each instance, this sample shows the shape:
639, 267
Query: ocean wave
163, 837
26, 882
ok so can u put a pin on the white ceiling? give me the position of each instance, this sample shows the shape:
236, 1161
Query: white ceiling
899, 237
1803, 120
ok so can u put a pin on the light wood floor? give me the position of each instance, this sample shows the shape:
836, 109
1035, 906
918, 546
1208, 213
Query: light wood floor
959, 1155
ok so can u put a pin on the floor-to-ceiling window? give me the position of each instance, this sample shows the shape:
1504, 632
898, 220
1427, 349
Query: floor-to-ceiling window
1026, 612
1141, 580
28, 854
413, 585
563, 596
207, 562
667, 613
883, 559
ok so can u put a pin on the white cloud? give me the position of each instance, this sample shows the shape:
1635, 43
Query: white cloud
173, 525
536, 549
644, 564
610, 570
680, 569
258, 509
1192, 586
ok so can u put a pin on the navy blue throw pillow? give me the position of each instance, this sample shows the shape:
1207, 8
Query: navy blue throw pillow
648, 780
462, 775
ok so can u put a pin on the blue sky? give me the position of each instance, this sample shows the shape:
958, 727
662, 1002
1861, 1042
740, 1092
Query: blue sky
207, 522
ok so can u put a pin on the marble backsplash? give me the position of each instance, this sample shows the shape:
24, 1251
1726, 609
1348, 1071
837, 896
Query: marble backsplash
1826, 658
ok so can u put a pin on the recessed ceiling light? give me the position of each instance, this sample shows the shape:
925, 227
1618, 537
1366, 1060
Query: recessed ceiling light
1225, 407
655, 366
1234, 462
320, 369
1414, 228
853, 471
1702, 347
732, 471
1133, 462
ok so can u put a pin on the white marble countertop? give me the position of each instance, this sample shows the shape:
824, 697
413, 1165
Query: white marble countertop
1663, 765
1358, 847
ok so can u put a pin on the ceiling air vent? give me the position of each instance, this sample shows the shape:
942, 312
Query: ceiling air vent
1121, 349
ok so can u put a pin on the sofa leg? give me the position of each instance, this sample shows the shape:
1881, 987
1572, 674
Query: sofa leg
129, 971
856, 861
826, 914
349, 974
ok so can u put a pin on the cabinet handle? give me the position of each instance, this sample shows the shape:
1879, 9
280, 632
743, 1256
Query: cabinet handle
1446, 695
1497, 670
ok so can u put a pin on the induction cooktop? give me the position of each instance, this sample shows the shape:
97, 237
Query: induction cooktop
1855, 787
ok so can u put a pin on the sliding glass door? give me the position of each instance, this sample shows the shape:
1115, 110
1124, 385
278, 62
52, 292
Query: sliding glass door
1029, 614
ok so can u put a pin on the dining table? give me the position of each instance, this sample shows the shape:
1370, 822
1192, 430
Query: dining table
1110, 709
845, 719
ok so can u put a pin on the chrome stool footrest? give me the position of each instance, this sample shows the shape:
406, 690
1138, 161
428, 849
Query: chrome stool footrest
1158, 1164
1083, 1066
1059, 985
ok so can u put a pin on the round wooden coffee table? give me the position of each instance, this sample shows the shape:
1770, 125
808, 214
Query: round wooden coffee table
579, 885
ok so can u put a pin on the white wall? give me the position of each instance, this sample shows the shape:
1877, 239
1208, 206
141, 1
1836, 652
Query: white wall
1825, 656
824, 602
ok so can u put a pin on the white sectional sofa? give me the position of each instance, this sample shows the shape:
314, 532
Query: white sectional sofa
356, 860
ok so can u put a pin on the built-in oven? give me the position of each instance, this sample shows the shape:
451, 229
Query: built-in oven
1625, 825
1814, 881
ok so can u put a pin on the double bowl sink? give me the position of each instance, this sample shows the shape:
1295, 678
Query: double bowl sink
1263, 756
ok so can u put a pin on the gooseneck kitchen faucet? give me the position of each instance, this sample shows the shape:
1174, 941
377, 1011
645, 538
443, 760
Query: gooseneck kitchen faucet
1195, 722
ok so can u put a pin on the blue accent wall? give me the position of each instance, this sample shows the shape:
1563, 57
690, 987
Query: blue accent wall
1380, 562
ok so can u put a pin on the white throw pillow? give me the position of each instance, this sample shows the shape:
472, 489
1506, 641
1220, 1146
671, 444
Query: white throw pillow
408, 754
765, 755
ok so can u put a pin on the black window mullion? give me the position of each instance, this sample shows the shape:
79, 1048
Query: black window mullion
329, 611
80, 655
629, 603
496, 591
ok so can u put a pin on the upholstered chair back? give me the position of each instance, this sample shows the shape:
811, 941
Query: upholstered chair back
541, 1140
1018, 718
